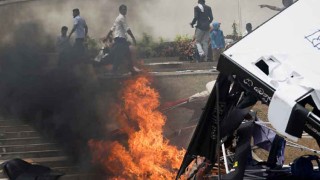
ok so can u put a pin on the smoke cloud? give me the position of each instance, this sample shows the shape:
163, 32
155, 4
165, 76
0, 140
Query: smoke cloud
71, 103
68, 103
164, 18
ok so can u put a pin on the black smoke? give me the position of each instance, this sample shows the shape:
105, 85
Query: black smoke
69, 104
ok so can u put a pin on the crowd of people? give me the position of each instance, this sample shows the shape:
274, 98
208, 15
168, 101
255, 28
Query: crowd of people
209, 33
72, 53
117, 45
208, 37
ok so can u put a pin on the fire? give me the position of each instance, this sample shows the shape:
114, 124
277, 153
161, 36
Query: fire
147, 154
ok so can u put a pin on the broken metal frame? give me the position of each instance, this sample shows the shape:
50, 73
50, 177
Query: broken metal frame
233, 81
232, 108
300, 120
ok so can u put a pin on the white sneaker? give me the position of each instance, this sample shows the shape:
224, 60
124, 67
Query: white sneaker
136, 69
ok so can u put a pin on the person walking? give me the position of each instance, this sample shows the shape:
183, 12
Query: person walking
81, 30
120, 49
202, 18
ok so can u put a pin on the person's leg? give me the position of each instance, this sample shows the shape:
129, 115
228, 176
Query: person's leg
216, 54
122, 53
196, 55
78, 47
114, 55
116, 64
130, 56
209, 56
75, 46
199, 36
81, 45
78, 44
205, 43
82, 48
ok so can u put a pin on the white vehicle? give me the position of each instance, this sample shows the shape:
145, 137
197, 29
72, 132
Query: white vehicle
277, 64
280, 62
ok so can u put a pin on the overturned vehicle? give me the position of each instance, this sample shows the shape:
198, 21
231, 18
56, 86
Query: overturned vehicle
278, 65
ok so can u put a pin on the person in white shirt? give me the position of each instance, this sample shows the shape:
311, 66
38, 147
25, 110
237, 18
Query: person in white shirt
120, 50
81, 30
63, 45
63, 41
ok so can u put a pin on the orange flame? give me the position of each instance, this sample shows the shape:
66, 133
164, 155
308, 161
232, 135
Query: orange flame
147, 155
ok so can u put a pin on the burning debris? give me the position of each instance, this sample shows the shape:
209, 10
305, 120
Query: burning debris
146, 154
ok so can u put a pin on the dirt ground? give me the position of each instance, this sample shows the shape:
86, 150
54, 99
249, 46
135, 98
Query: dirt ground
174, 88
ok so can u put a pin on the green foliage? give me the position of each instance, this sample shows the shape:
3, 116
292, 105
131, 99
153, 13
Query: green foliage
147, 46
93, 47
234, 29
182, 38
146, 40
235, 35
182, 46
161, 40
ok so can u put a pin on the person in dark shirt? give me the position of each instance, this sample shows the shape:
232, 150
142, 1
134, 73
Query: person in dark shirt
248, 28
203, 17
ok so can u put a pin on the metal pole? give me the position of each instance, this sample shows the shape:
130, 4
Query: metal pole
225, 158
218, 131
240, 17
